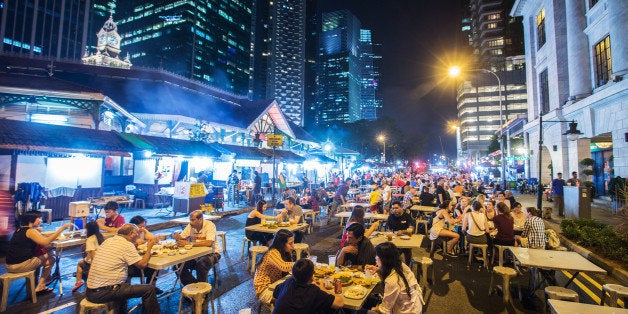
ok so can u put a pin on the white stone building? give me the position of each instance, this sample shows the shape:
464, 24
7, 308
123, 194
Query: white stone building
577, 60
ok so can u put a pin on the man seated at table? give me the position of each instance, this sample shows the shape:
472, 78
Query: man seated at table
401, 222
112, 220
407, 198
533, 230
106, 281
358, 250
293, 214
198, 232
299, 294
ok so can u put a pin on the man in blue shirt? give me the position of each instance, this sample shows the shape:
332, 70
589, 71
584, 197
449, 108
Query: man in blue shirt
340, 197
557, 194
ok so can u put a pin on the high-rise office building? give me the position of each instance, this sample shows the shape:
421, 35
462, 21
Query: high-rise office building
312, 32
55, 29
369, 77
279, 55
497, 43
205, 40
338, 98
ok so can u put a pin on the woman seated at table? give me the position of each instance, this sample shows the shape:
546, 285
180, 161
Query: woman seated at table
519, 216
27, 251
475, 225
357, 216
504, 224
94, 239
255, 217
143, 235
274, 265
490, 213
402, 293
444, 214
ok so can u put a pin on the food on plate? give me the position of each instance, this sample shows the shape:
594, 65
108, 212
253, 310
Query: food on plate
404, 237
183, 251
188, 246
346, 278
365, 282
355, 293
323, 271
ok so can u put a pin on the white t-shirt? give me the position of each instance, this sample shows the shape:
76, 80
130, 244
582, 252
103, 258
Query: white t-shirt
91, 244
476, 229
110, 265
207, 232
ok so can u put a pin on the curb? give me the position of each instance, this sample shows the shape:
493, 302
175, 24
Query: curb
612, 269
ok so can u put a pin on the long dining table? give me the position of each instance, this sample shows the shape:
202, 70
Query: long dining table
342, 216
408, 242
267, 229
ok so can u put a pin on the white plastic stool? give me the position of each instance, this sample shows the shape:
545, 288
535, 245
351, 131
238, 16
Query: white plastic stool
422, 222
299, 248
615, 292
257, 249
500, 249
6, 282
244, 242
483, 247
506, 273
223, 236
197, 292
86, 307
426, 262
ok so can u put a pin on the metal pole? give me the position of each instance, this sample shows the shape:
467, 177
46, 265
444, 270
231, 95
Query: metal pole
539, 193
384, 151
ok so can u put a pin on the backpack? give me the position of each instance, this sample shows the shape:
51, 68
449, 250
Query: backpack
553, 241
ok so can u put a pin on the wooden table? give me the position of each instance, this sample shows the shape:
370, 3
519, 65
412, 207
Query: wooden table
351, 205
368, 216
555, 260
424, 209
353, 304
559, 307
265, 229
59, 245
413, 243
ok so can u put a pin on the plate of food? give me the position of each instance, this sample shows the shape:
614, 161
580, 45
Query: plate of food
355, 292
365, 282
346, 278
323, 271
283, 224
404, 237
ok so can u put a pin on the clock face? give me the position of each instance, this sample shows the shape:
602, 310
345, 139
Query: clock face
112, 40
102, 40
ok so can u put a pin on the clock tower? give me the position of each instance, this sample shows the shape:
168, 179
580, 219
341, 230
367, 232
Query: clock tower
108, 47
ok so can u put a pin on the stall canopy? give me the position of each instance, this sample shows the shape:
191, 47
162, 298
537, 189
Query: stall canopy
240, 152
321, 158
171, 147
30, 136
283, 155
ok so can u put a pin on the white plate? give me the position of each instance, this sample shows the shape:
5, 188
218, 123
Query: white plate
355, 292
404, 237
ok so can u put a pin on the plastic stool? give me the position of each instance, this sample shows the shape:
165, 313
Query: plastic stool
48, 212
197, 292
433, 244
87, 307
560, 293
500, 250
300, 247
6, 282
506, 273
223, 236
422, 222
138, 201
426, 263
244, 242
615, 292
483, 247
257, 249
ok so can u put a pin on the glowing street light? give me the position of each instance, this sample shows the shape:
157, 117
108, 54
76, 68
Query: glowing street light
455, 71
382, 138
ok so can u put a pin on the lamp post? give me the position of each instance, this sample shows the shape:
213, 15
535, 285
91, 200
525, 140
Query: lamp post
572, 135
382, 138
456, 71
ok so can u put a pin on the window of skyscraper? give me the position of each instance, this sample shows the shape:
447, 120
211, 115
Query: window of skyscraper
540, 29
544, 92
603, 62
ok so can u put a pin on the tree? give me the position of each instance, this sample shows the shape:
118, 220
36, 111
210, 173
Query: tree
494, 144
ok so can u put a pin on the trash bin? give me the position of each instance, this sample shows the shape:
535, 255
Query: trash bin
577, 202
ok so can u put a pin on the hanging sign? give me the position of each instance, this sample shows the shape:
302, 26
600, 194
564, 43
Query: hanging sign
274, 140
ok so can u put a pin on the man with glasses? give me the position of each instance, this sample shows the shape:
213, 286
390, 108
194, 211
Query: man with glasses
112, 221
198, 232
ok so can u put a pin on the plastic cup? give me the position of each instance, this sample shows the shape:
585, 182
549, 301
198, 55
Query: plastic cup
313, 258
389, 236
368, 274
332, 260
245, 311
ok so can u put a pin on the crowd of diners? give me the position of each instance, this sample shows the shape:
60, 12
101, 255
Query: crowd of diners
468, 210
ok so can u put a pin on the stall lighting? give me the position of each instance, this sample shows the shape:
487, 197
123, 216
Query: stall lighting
147, 154
43, 117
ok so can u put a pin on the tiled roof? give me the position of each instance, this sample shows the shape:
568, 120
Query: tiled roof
171, 146
240, 152
301, 134
53, 138
283, 155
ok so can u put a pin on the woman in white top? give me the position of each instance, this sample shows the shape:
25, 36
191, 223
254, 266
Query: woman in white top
445, 214
475, 225
94, 239
518, 215
402, 293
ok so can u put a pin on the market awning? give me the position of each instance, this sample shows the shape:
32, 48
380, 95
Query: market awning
30, 136
283, 155
321, 158
239, 152
171, 147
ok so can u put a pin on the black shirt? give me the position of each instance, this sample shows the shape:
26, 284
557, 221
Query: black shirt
294, 297
21, 248
365, 256
396, 223
445, 195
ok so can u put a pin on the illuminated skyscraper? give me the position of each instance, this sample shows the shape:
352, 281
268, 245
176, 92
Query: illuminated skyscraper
279, 55
369, 77
205, 40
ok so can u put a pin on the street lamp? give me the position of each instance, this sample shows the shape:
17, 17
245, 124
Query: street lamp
456, 71
382, 138
572, 134
456, 127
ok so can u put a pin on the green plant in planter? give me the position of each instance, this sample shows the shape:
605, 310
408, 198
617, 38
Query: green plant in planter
614, 187
587, 162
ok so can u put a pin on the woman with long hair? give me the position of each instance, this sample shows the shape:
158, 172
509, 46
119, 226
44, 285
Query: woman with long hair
402, 293
24, 253
445, 214
255, 217
475, 225
94, 240
274, 264
357, 216
504, 222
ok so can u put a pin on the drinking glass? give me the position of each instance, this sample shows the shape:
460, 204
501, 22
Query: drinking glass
313, 258
332, 261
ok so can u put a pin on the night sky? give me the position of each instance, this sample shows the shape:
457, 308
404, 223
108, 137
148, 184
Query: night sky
419, 39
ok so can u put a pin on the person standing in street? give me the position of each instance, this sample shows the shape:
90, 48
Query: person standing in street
232, 184
257, 188
339, 198
557, 194
573, 181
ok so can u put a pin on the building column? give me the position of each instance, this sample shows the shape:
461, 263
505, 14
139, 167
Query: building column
526, 147
617, 21
579, 149
578, 51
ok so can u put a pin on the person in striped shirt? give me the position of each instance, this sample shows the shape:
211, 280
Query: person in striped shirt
107, 277
533, 229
